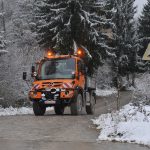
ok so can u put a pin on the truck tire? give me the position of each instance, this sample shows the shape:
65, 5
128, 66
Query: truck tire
38, 109
90, 109
76, 105
59, 110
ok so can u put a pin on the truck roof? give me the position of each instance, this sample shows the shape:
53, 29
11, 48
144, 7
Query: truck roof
60, 56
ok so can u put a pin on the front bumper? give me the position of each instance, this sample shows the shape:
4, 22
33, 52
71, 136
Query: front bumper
53, 94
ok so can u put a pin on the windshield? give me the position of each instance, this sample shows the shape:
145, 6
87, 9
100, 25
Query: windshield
58, 69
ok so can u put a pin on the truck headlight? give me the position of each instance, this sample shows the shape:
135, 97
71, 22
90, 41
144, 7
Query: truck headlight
63, 90
57, 90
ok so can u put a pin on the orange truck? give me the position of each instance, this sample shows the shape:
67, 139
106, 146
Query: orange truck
60, 81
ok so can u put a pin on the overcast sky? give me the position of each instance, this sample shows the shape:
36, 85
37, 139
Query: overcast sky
140, 4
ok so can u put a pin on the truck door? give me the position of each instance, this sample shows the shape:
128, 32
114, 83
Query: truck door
81, 74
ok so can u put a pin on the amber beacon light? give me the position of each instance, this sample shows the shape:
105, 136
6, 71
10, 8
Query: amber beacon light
49, 53
80, 53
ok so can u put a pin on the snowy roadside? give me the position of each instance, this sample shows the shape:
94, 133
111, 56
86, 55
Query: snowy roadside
105, 92
130, 124
18, 111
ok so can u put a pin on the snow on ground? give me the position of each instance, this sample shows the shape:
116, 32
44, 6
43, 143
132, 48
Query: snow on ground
130, 124
17, 111
105, 92
143, 84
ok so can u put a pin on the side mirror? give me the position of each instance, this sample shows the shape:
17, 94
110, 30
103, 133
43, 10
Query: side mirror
24, 76
33, 71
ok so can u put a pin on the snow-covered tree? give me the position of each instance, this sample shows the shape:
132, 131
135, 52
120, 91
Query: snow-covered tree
59, 23
144, 28
2, 42
22, 23
22, 48
2, 28
124, 42
2, 16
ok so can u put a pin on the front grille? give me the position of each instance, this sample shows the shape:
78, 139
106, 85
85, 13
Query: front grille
49, 95
52, 84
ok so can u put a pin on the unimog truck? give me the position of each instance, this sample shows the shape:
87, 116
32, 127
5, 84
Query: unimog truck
61, 81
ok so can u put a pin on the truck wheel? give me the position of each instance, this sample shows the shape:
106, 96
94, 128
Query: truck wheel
90, 109
59, 110
38, 109
76, 105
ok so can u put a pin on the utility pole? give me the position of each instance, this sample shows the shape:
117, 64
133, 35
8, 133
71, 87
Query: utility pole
118, 88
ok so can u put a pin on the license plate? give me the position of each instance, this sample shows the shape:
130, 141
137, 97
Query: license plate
47, 90
50, 102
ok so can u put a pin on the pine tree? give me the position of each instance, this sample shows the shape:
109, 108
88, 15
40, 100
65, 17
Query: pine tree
125, 31
59, 23
124, 41
144, 28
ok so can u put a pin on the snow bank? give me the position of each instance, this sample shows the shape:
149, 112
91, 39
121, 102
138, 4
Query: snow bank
143, 84
105, 92
17, 111
130, 124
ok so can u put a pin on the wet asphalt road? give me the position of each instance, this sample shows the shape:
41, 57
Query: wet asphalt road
51, 132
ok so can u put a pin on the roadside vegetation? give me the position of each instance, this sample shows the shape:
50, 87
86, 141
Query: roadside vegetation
106, 28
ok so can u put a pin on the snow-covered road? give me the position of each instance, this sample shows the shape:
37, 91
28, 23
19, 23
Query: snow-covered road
105, 92
27, 110
27, 132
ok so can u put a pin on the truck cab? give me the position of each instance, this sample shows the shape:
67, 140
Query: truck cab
61, 81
